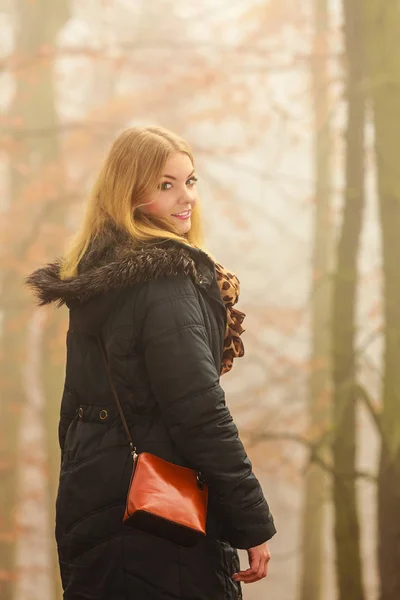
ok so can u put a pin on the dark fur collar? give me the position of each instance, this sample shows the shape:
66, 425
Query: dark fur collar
112, 262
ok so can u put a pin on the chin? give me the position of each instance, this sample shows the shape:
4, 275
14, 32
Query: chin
184, 227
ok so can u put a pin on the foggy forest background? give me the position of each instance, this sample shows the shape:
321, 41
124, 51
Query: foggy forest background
292, 110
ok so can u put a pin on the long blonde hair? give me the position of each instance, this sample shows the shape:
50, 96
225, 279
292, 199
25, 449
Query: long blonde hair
130, 173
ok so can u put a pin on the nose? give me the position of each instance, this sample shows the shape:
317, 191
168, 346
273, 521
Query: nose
188, 196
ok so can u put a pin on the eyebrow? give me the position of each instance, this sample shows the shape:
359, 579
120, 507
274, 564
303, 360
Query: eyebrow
174, 178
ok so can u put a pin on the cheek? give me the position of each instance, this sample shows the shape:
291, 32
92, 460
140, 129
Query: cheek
157, 207
152, 209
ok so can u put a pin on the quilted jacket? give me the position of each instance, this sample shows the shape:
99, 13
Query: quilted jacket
159, 311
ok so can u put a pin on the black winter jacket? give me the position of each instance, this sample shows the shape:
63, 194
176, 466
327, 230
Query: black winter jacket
162, 319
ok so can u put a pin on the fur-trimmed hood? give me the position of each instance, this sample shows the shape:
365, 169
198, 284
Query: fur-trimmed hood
112, 262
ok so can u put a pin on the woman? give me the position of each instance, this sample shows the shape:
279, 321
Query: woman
137, 275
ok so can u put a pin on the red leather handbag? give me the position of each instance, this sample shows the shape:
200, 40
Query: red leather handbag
165, 500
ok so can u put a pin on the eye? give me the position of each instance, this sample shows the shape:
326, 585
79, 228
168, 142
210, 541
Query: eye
191, 181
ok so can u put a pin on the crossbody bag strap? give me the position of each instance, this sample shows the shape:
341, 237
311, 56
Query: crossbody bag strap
114, 391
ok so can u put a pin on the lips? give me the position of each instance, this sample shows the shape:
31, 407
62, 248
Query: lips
183, 215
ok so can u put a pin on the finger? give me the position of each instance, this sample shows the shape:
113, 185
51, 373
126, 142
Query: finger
254, 563
261, 573
268, 558
244, 576
251, 579
249, 575
252, 575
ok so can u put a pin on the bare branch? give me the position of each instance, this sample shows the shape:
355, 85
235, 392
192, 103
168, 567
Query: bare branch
366, 399
314, 456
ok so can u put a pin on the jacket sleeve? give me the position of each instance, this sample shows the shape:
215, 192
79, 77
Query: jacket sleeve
185, 383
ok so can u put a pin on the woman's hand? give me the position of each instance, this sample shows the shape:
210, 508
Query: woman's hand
258, 560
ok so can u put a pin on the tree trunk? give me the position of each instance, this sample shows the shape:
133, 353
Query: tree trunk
53, 344
316, 490
38, 17
383, 27
347, 531
12, 359
52, 375
32, 109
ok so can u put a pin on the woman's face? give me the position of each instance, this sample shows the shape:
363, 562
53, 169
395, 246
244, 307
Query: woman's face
176, 195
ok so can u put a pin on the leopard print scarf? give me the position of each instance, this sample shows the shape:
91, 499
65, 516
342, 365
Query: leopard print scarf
229, 286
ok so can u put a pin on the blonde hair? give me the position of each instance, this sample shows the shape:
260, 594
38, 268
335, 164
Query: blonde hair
130, 173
